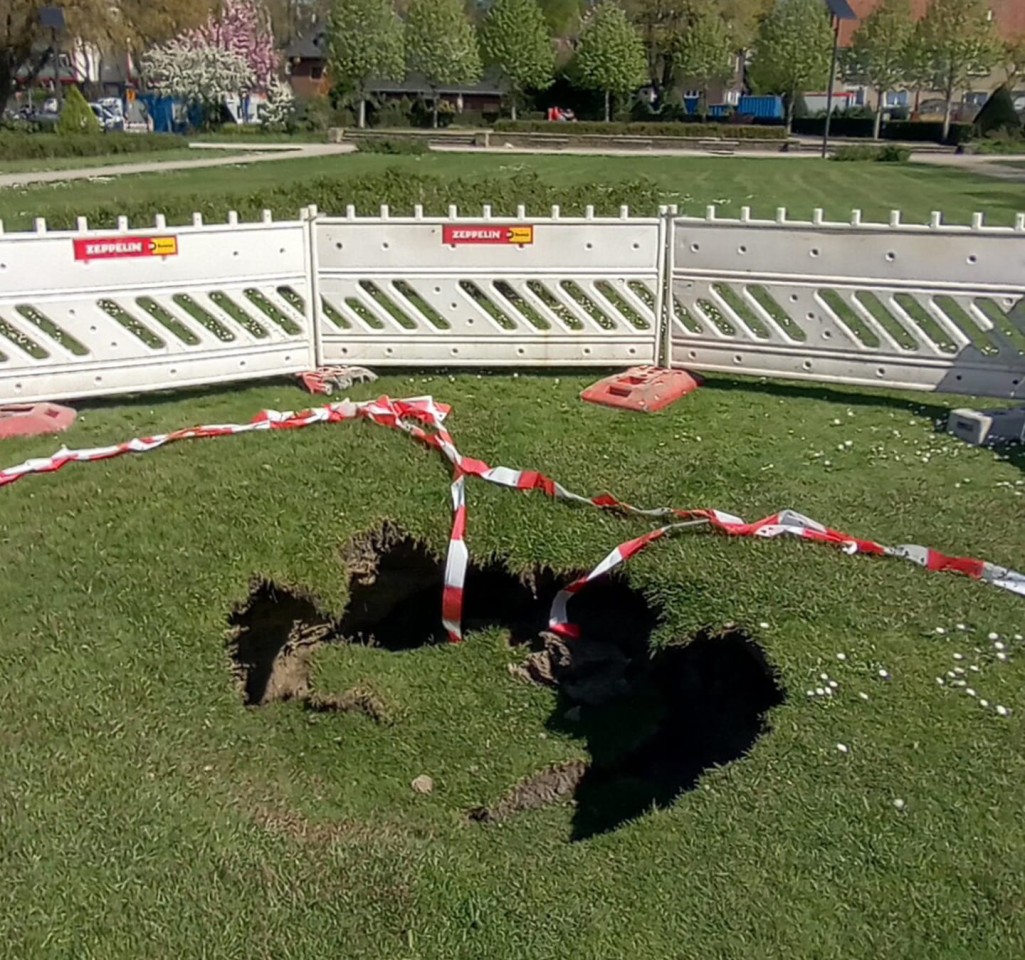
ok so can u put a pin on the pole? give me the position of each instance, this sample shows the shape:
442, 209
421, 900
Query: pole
832, 81
57, 92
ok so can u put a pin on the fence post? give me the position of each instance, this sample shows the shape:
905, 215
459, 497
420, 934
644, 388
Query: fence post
666, 266
314, 311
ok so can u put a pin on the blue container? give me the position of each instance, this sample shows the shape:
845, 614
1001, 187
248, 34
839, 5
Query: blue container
764, 108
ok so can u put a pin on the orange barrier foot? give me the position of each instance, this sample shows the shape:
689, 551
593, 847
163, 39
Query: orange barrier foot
34, 419
645, 389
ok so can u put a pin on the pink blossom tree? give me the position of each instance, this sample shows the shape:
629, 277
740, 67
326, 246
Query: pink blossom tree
242, 28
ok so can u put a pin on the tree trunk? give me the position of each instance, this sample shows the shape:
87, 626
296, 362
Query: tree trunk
789, 101
434, 113
703, 105
947, 107
361, 120
879, 115
608, 106
6, 82
512, 109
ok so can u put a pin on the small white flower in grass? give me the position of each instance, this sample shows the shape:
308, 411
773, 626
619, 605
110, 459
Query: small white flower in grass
763, 625
833, 684
1001, 656
970, 692
811, 693
884, 673
820, 691
983, 703
940, 631
1018, 636
1002, 711
823, 676
898, 803
994, 636
961, 626
975, 668
959, 671
864, 696
841, 656
828, 691
939, 680
842, 747
959, 656
998, 645
951, 674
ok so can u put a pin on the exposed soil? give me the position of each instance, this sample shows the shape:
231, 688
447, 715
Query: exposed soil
652, 722
653, 725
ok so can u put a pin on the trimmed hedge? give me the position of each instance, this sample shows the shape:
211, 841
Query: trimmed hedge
401, 190
394, 146
920, 131
47, 146
704, 131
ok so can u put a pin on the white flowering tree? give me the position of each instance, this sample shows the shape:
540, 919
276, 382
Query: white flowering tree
279, 110
198, 73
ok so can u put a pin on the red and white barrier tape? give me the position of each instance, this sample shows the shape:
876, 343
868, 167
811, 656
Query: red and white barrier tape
424, 420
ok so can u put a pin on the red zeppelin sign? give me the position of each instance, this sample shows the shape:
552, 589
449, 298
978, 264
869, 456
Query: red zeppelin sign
117, 248
487, 233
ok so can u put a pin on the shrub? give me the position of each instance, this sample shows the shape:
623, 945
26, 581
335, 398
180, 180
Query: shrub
399, 146
392, 114
856, 153
77, 116
400, 189
1001, 142
42, 146
920, 131
866, 153
314, 115
998, 114
596, 128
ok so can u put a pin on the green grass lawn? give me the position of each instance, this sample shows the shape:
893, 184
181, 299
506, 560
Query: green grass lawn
693, 183
81, 163
144, 811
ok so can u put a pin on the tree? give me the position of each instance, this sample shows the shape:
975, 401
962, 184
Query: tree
242, 28
611, 54
958, 41
441, 44
366, 44
878, 55
25, 47
77, 116
562, 16
793, 50
514, 38
707, 52
196, 73
280, 109
661, 24
998, 114
1014, 57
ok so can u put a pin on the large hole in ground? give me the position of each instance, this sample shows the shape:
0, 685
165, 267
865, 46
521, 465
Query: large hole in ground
653, 722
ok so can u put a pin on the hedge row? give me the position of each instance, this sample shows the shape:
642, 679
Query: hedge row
704, 131
49, 146
916, 131
400, 190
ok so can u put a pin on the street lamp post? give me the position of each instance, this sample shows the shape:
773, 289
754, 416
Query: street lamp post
839, 10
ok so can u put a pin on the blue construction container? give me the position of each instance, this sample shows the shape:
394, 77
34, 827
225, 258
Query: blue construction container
763, 108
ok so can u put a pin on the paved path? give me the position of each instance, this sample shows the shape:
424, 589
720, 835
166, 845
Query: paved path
240, 153
245, 153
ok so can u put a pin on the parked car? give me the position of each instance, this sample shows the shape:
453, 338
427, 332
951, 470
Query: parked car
110, 114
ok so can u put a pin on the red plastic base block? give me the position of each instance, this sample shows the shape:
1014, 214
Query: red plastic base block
34, 419
646, 389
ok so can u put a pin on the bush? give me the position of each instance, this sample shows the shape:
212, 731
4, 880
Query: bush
315, 115
400, 146
920, 131
856, 153
77, 116
1000, 143
392, 114
42, 146
998, 114
866, 153
400, 189
706, 131
842, 125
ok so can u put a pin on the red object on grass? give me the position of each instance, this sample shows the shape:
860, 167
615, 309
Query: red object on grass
645, 389
34, 419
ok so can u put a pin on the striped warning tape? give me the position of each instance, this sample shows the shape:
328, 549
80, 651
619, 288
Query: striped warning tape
423, 419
